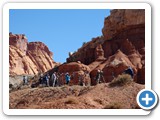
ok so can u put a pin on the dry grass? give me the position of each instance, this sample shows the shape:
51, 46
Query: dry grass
113, 106
121, 80
98, 101
71, 100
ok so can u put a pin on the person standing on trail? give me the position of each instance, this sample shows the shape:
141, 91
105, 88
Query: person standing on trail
47, 79
99, 76
54, 79
25, 80
129, 71
68, 78
41, 79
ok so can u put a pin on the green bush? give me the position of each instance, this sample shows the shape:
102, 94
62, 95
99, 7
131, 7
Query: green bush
121, 80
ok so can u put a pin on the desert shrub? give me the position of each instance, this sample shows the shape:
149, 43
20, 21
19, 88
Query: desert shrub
113, 106
98, 101
71, 100
72, 58
121, 80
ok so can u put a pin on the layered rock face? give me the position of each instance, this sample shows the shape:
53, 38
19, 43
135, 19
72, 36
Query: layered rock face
123, 45
120, 19
28, 58
18, 41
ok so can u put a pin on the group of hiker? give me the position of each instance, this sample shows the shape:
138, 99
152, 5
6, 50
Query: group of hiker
44, 79
55, 79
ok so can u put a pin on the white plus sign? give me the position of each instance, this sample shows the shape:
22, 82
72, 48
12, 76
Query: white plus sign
147, 99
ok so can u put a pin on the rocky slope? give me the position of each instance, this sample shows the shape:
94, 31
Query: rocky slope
28, 58
77, 97
121, 45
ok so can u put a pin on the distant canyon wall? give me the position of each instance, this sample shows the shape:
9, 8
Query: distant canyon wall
28, 57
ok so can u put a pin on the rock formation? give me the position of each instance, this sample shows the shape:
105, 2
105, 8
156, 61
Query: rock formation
112, 67
78, 72
123, 45
99, 53
119, 19
28, 58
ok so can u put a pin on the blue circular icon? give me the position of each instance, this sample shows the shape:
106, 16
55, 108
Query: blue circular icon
147, 99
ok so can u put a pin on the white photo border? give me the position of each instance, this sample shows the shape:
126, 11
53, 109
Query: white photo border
9, 6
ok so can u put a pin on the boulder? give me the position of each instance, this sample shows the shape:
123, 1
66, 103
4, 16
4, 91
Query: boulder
16, 82
77, 71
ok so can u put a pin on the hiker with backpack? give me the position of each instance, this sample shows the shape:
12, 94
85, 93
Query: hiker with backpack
129, 71
68, 78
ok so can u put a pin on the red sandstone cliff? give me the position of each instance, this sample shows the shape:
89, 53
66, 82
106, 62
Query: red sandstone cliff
28, 58
120, 19
121, 45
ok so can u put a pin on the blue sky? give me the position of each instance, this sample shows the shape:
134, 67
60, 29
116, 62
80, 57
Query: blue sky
62, 31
